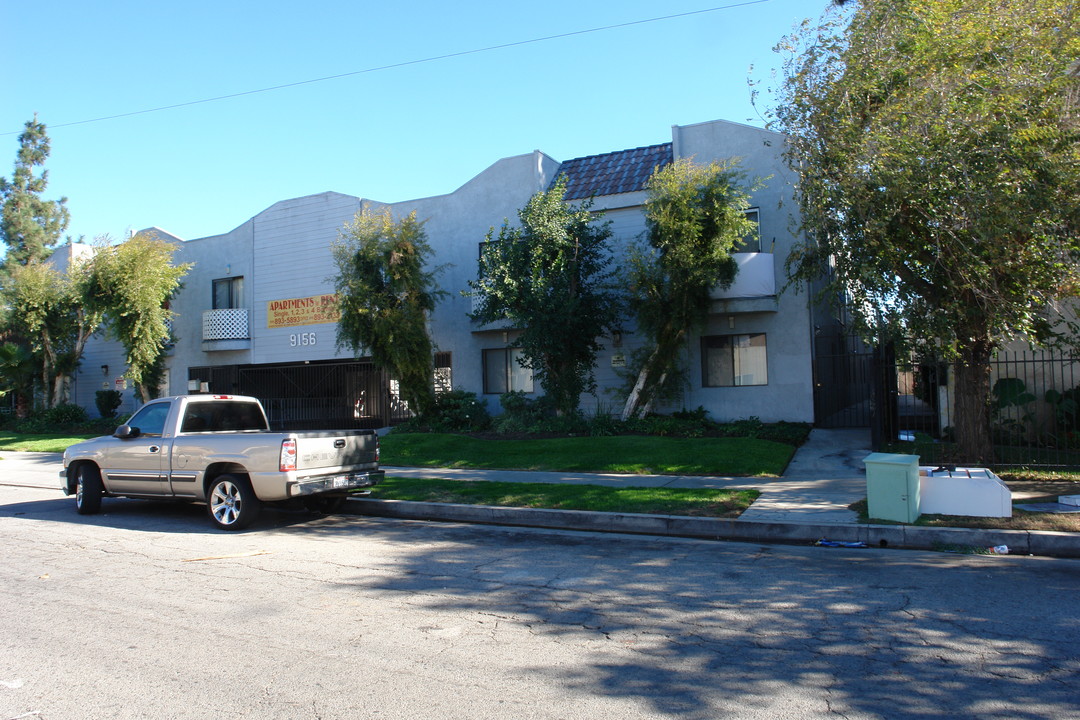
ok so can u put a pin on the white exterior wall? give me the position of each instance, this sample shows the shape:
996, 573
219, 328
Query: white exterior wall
285, 252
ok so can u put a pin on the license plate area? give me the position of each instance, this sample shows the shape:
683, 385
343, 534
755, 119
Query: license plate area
343, 481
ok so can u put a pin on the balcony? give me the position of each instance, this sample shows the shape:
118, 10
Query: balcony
754, 289
474, 302
169, 346
225, 329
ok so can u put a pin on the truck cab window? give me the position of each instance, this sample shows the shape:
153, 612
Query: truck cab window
151, 419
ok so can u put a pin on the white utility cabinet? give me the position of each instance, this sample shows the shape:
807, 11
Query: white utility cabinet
963, 491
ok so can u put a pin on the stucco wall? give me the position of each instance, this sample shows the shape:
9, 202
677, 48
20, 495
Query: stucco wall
285, 252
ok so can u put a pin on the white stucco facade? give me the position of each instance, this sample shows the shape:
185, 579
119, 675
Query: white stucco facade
284, 254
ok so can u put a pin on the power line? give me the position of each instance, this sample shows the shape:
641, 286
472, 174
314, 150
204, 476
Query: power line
406, 63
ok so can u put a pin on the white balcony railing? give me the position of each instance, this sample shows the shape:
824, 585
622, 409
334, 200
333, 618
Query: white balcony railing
228, 324
756, 278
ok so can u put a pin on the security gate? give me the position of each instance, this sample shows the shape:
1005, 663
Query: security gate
313, 395
843, 382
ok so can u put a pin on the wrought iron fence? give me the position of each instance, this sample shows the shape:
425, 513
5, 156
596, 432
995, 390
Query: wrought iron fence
1034, 408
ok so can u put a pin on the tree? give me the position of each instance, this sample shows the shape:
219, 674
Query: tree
937, 146
130, 284
385, 295
552, 278
695, 215
17, 372
29, 224
55, 312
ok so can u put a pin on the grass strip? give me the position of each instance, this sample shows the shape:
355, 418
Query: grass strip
23, 442
653, 501
1020, 520
639, 455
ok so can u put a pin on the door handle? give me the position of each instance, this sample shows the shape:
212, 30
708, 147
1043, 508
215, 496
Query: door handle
153, 448
339, 443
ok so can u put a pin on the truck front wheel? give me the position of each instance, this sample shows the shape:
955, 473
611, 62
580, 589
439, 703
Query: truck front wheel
88, 489
232, 503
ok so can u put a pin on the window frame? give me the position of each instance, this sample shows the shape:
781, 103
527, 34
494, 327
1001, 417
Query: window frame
716, 342
235, 289
753, 240
509, 358
443, 375
152, 410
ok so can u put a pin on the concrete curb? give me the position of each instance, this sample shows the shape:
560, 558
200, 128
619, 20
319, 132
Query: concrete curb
1019, 542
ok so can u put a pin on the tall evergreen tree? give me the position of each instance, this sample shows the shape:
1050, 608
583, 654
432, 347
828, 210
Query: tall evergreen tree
552, 277
386, 295
30, 225
695, 215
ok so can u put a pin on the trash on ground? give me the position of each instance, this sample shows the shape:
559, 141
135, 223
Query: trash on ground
999, 550
839, 543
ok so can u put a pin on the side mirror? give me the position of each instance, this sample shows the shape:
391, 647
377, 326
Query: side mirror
126, 432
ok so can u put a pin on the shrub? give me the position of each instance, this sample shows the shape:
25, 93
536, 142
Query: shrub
65, 415
62, 418
523, 415
456, 411
107, 401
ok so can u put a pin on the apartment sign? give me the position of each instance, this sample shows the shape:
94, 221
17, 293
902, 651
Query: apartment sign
313, 310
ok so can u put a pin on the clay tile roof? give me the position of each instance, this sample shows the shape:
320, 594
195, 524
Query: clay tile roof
612, 173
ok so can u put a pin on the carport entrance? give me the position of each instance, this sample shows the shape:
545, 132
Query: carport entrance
312, 395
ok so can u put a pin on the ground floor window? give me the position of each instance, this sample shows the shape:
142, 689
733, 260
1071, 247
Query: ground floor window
444, 378
503, 372
734, 360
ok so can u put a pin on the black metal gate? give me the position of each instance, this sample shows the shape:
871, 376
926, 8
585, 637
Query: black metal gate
843, 382
312, 395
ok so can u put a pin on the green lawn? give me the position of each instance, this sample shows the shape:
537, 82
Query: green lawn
740, 457
23, 442
657, 501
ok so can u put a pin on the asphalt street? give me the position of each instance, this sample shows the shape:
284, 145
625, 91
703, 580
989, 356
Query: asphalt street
144, 611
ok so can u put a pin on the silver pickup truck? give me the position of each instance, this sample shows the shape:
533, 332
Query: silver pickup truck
218, 449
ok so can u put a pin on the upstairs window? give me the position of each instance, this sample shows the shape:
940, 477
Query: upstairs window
228, 293
751, 242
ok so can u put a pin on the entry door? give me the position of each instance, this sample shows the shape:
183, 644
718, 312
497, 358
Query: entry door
138, 465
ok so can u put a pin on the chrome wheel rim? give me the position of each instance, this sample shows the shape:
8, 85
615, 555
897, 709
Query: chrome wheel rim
79, 490
225, 502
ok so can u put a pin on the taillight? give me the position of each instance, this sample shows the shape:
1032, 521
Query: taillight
288, 455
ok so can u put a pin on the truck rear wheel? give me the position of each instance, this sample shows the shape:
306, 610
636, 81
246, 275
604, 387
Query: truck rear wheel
88, 489
232, 503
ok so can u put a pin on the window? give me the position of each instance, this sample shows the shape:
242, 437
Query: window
151, 419
734, 360
228, 293
751, 243
215, 416
503, 372
444, 379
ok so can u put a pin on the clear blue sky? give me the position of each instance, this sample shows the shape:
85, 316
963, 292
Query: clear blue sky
395, 134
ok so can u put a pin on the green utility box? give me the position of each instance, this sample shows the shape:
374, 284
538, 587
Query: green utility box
892, 487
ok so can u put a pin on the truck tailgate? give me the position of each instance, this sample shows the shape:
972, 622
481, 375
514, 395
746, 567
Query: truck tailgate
330, 450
